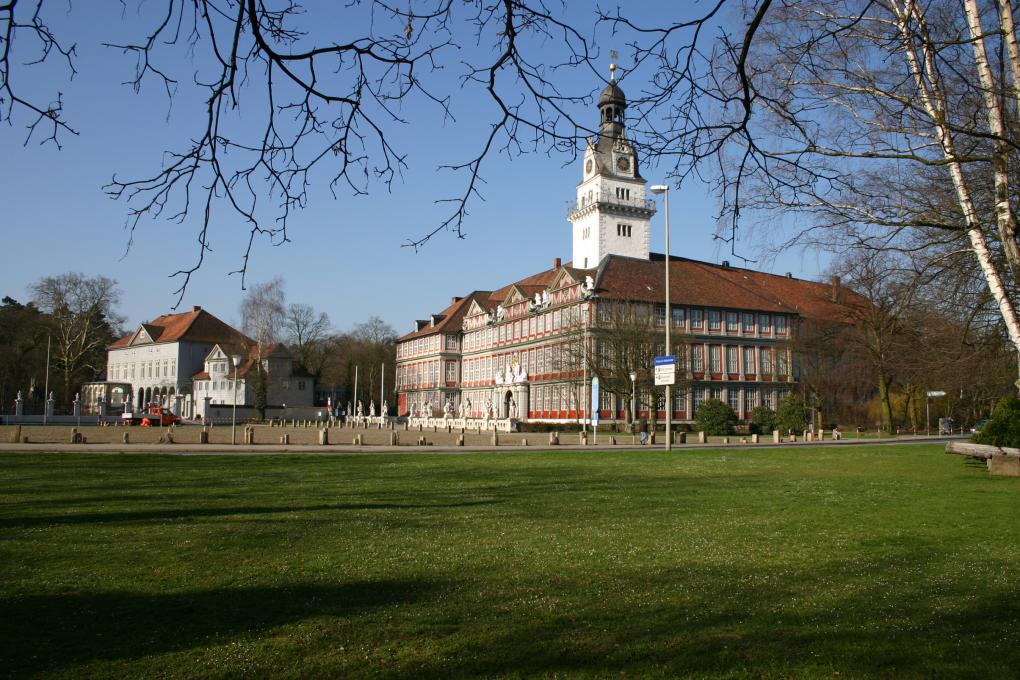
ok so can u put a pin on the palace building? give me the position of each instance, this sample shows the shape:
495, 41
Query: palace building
529, 349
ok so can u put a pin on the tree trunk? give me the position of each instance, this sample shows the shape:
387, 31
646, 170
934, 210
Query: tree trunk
885, 405
924, 72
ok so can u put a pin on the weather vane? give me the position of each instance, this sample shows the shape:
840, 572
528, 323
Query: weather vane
613, 55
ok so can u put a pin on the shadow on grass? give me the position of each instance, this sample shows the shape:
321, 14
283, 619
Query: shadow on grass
182, 513
43, 633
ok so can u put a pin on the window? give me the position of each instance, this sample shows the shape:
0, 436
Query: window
768, 399
696, 318
732, 360
716, 393
586, 232
733, 398
623, 230
781, 325
715, 358
451, 371
714, 320
697, 363
623, 193
749, 360
748, 322
660, 315
765, 360
763, 323
301, 385
451, 342
698, 395
750, 397
731, 322
781, 363
678, 316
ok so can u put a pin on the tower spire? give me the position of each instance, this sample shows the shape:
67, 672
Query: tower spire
613, 55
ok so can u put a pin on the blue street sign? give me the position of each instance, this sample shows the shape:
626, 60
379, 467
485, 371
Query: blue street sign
595, 401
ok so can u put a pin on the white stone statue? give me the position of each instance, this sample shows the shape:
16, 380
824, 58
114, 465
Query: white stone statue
500, 313
350, 410
426, 409
361, 410
513, 408
589, 284
371, 409
467, 408
538, 299
19, 395
385, 409
545, 297
488, 408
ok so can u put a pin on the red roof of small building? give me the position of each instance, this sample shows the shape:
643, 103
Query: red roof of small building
197, 326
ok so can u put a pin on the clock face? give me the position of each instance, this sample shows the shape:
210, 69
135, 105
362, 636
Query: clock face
587, 166
623, 163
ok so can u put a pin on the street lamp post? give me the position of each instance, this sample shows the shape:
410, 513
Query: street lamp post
664, 190
633, 399
236, 360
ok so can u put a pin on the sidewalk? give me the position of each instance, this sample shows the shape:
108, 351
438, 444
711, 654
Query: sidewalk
219, 449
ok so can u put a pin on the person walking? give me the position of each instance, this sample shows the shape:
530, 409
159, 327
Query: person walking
643, 429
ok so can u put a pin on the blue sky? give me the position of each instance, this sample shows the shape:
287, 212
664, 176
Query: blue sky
345, 256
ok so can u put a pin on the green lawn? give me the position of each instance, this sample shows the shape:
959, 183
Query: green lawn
839, 562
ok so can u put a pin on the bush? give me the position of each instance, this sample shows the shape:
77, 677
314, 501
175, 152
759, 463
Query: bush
1003, 428
763, 420
790, 415
715, 417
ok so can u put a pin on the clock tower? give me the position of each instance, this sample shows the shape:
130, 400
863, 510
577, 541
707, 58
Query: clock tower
612, 215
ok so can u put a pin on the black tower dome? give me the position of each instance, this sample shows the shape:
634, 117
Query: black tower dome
612, 104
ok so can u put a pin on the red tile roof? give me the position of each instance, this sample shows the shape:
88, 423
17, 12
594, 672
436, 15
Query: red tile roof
197, 326
692, 283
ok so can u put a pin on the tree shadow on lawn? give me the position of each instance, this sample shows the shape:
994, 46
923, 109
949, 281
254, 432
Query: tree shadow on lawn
188, 513
43, 633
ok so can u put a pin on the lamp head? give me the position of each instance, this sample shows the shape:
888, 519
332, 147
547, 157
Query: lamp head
633, 376
236, 359
658, 188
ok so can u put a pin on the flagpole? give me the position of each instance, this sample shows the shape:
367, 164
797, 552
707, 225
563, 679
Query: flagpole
382, 388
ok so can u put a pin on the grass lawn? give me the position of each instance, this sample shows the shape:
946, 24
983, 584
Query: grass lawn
841, 562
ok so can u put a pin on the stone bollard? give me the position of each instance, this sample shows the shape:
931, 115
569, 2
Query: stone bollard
821, 435
743, 440
725, 440
755, 438
651, 439
793, 438
612, 440
554, 438
75, 437
323, 437
701, 438
460, 440
16, 435
394, 439
495, 438
809, 436
125, 439
285, 439
524, 441
583, 438
775, 437
422, 442
249, 435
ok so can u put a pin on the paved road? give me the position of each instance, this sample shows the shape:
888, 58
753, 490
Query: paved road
272, 449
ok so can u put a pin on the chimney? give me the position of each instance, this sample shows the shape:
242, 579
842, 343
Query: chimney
556, 263
726, 264
454, 300
789, 275
835, 293
196, 308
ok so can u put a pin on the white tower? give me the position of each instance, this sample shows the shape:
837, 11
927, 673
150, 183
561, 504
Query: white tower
611, 216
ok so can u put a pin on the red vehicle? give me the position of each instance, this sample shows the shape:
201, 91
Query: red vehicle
153, 415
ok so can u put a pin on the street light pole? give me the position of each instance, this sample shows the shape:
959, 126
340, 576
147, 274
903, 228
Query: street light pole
236, 360
633, 400
664, 190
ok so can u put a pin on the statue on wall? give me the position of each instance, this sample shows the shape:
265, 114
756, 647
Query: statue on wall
513, 408
588, 287
371, 409
461, 412
448, 408
488, 408
361, 411
467, 408
385, 409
